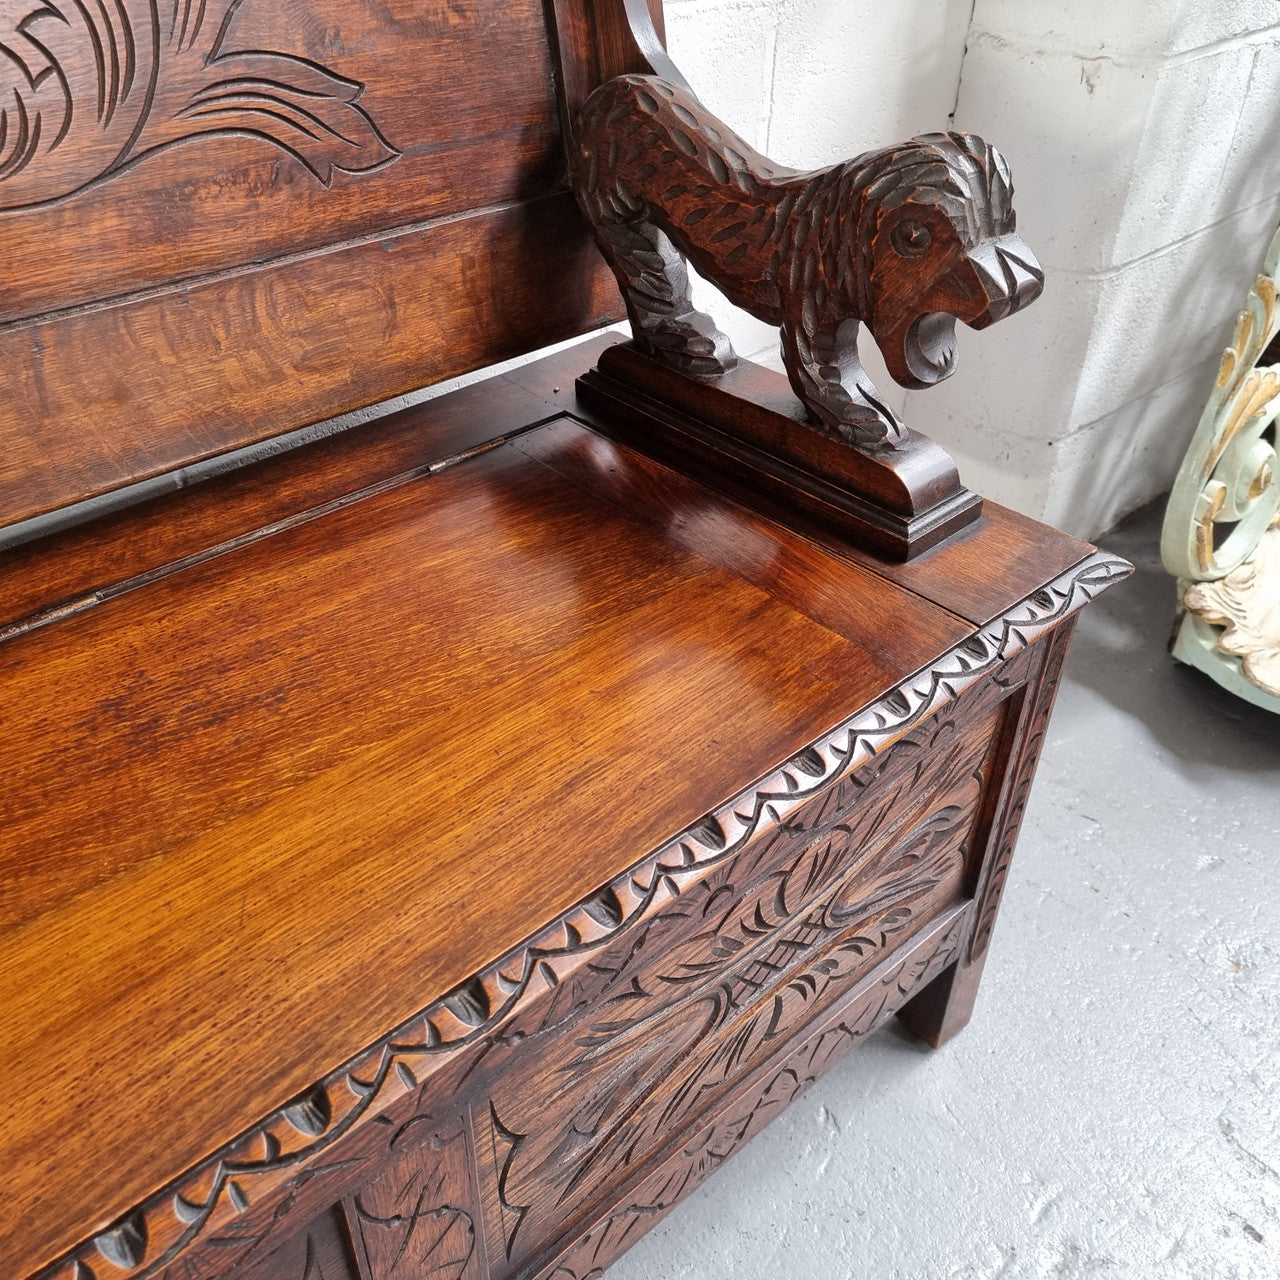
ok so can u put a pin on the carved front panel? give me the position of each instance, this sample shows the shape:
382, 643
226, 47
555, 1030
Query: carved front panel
755, 1104
419, 1220
625, 1061
643, 1069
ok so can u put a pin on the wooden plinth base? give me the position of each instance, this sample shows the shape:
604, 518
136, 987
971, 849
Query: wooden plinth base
745, 434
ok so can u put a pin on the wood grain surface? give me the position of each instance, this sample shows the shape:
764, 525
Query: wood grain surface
228, 220
429, 851
234, 790
722, 965
977, 573
78, 565
115, 395
896, 502
320, 123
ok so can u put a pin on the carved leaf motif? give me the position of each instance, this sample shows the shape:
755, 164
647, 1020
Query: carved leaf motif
88, 90
1227, 491
426, 1243
771, 947
1247, 604
416, 1221
743, 1118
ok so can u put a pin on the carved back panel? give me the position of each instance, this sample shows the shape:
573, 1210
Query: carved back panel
226, 219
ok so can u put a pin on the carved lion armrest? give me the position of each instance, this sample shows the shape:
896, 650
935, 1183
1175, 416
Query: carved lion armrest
907, 240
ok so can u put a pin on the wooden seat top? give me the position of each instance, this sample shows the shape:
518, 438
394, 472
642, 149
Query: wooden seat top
262, 809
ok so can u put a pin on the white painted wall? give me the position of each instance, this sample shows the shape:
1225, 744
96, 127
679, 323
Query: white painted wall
1145, 146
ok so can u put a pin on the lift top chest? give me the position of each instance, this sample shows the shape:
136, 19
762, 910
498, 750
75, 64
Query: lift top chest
430, 843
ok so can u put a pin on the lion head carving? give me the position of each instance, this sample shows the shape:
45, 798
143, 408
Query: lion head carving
936, 243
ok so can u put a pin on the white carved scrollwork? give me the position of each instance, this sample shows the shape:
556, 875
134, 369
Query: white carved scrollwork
1246, 604
1219, 528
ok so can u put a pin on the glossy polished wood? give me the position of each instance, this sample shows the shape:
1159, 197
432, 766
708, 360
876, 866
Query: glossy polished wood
858, 876
831, 591
430, 849
321, 196
148, 385
959, 574
79, 565
897, 502
355, 684
73, 566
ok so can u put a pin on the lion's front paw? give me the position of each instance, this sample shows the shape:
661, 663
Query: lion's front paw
689, 342
858, 417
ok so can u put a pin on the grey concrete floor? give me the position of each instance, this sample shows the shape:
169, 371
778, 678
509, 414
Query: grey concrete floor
1113, 1109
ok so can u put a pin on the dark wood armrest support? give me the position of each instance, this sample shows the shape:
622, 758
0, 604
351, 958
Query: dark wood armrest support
739, 434
907, 240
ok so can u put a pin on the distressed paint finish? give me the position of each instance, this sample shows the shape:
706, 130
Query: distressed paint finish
1239, 616
1219, 536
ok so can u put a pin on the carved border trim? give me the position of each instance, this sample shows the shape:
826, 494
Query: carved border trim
218, 1190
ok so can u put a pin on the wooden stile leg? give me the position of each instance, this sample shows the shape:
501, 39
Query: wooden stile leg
945, 1006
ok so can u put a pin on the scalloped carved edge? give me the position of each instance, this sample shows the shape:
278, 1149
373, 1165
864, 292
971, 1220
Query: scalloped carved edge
272, 1154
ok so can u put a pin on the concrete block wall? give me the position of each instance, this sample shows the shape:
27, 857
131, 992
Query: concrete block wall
1141, 136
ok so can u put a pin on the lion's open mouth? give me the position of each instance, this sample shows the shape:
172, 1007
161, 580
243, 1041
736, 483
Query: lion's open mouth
929, 348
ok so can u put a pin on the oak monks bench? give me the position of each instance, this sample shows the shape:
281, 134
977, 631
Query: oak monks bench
432, 842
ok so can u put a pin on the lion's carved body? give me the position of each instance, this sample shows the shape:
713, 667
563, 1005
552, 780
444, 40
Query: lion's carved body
926, 226
741, 228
